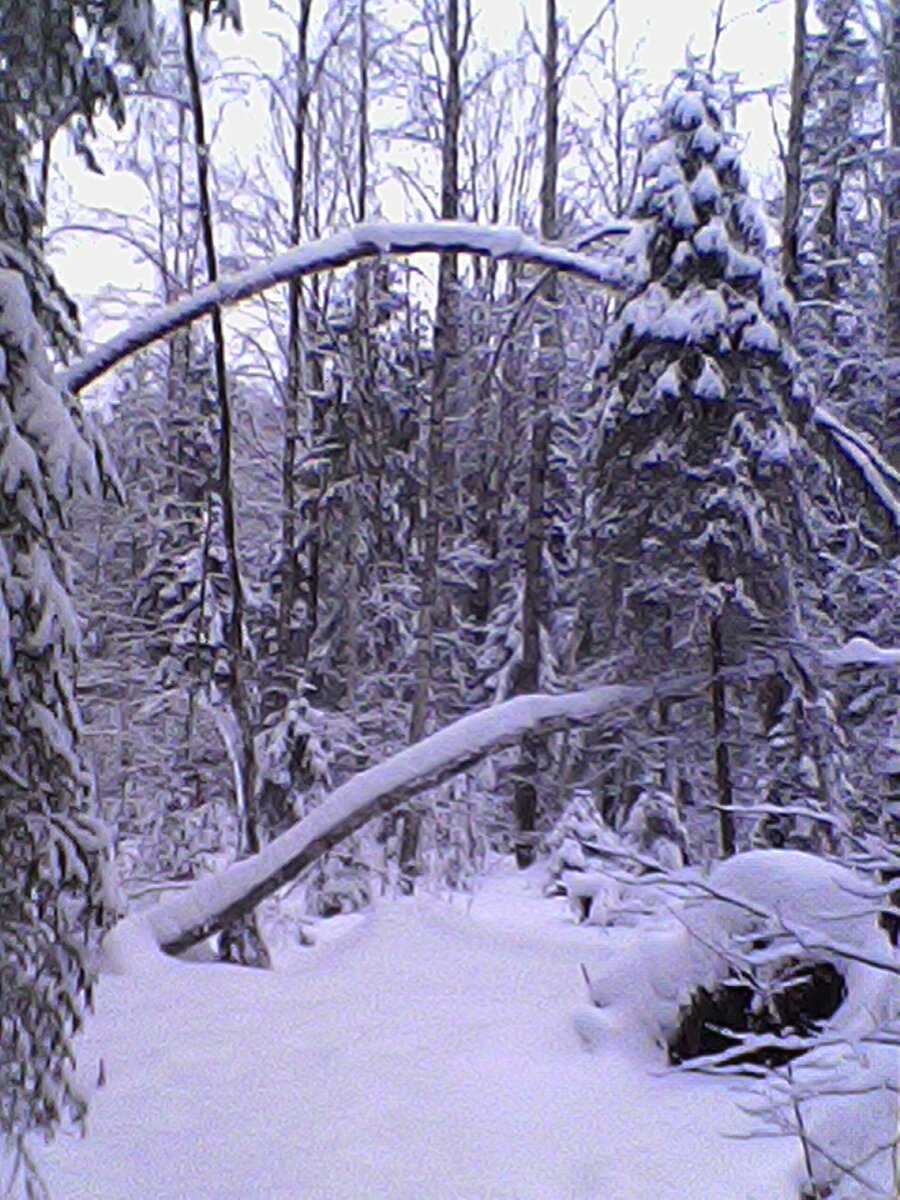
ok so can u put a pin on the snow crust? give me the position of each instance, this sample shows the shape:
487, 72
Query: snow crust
427, 1052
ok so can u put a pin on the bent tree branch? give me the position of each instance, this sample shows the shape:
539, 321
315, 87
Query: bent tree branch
338, 250
374, 240
213, 903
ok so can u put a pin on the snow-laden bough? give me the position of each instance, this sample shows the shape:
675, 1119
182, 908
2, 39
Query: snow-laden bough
213, 903
339, 250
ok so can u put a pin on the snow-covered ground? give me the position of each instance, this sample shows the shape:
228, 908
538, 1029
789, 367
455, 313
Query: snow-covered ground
426, 1050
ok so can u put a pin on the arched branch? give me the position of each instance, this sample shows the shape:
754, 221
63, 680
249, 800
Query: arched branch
213, 903
338, 250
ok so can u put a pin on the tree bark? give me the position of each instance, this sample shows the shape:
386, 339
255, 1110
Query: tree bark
722, 757
289, 642
234, 632
724, 785
790, 221
892, 221
544, 397
718, 703
364, 449
445, 354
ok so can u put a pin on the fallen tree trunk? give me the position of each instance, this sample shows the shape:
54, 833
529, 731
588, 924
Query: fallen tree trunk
212, 903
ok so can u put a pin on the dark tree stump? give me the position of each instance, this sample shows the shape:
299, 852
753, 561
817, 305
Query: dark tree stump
242, 943
713, 1020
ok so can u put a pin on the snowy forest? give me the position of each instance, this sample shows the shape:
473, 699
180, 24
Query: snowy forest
451, 568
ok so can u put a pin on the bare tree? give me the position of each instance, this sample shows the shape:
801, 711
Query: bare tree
242, 942
544, 399
446, 350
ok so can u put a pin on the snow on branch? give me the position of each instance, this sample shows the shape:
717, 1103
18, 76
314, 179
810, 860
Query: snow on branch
881, 479
338, 250
212, 903
861, 652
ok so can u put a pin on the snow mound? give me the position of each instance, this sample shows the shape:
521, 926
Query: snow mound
751, 914
422, 1054
766, 906
130, 948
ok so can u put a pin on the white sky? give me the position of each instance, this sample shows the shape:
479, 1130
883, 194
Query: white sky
654, 34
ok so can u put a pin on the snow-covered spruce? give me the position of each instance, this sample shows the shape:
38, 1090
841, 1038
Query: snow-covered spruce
50, 849
579, 843
591, 863
700, 451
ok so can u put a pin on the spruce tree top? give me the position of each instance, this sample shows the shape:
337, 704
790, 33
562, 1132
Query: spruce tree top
698, 256
701, 400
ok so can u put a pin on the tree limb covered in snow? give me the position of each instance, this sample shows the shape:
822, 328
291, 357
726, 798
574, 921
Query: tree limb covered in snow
338, 250
689, 883
861, 652
212, 903
878, 476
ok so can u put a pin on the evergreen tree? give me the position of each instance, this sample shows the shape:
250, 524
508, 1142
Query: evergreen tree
55, 67
837, 230
700, 452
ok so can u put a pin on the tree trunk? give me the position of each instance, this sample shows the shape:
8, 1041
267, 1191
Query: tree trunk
363, 439
242, 940
892, 222
544, 397
312, 505
234, 631
214, 903
790, 221
718, 702
289, 640
722, 757
445, 353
